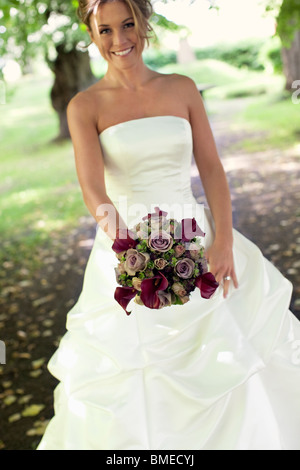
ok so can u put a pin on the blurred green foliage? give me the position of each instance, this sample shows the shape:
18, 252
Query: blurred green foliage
32, 26
254, 54
156, 58
288, 21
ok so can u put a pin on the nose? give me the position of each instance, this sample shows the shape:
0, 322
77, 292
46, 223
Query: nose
119, 38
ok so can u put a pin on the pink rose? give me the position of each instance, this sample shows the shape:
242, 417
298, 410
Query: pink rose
136, 283
160, 263
178, 289
135, 261
179, 250
165, 298
160, 241
195, 250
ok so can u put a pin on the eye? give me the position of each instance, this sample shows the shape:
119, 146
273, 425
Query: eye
104, 31
129, 25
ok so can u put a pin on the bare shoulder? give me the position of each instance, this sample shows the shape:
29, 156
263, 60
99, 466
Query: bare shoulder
180, 82
81, 105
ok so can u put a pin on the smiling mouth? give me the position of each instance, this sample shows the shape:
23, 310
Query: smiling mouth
123, 53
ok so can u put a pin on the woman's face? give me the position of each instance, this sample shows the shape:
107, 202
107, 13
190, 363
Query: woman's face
113, 32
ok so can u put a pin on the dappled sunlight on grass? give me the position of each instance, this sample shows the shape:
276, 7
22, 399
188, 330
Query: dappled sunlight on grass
40, 209
19, 114
39, 189
275, 117
28, 118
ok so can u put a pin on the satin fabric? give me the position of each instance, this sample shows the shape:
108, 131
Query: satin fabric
218, 374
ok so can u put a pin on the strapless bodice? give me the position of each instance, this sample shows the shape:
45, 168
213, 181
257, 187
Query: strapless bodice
148, 156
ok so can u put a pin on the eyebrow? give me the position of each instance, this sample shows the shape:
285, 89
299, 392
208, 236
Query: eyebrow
124, 21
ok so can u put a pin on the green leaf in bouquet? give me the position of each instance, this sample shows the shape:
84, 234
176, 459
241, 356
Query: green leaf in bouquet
142, 246
174, 261
150, 264
149, 273
177, 300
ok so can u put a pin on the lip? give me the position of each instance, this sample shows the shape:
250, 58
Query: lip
121, 53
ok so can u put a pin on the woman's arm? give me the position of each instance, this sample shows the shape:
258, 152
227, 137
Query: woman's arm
89, 164
216, 188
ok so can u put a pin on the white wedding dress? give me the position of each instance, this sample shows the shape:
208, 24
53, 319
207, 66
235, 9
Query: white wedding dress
211, 374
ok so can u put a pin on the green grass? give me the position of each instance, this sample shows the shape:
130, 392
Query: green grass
276, 117
39, 191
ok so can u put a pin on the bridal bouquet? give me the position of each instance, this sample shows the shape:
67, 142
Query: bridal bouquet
161, 261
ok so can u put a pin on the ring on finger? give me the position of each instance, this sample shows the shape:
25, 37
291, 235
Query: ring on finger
227, 278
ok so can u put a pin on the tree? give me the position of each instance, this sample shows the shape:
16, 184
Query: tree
30, 27
288, 29
287, 15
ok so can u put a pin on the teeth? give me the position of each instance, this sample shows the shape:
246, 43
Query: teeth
123, 52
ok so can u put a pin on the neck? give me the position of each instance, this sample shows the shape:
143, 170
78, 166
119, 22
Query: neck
131, 78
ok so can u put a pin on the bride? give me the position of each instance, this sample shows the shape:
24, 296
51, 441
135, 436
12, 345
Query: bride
218, 373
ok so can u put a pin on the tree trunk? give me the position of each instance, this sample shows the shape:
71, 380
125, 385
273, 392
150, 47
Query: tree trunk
72, 74
291, 61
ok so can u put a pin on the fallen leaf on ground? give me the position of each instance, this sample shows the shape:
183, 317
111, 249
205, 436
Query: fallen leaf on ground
32, 410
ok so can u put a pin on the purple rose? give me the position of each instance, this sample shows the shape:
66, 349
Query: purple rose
135, 261
184, 268
160, 240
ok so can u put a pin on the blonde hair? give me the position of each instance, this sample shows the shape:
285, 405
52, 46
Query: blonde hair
141, 12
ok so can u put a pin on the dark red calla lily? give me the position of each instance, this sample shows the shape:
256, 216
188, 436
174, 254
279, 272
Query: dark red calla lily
207, 285
190, 229
124, 240
149, 289
123, 295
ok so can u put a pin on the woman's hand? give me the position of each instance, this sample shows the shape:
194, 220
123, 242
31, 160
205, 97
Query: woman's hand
220, 258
